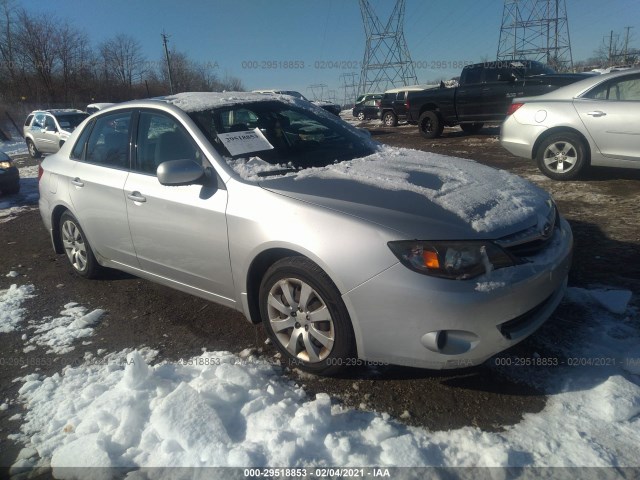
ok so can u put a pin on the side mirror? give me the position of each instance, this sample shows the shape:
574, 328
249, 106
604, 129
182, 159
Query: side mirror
180, 172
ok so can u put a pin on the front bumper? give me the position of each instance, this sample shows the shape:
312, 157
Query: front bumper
9, 177
405, 318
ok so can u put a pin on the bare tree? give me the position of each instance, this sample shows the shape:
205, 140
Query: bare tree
36, 41
7, 49
123, 59
75, 54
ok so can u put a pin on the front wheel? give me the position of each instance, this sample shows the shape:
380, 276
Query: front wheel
562, 156
430, 125
361, 117
33, 150
389, 119
77, 247
305, 317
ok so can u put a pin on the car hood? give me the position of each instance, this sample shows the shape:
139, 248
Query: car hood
421, 195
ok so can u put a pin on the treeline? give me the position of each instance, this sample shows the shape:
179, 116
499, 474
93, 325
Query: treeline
47, 62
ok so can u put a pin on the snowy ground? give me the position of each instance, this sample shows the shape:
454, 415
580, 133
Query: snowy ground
122, 409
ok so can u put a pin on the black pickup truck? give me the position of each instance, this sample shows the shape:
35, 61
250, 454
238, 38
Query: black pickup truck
484, 94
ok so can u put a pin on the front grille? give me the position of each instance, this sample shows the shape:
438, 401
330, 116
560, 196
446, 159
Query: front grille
533, 240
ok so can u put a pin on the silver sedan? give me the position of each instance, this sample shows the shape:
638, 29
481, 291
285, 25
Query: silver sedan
347, 251
592, 122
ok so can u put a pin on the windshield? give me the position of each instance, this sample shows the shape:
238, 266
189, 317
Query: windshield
69, 121
281, 134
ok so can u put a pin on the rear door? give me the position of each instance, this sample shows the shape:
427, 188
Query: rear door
96, 186
179, 232
611, 114
469, 94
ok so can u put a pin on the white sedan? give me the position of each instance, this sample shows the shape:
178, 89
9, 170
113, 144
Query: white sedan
595, 121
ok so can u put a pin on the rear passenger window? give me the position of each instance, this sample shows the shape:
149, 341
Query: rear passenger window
401, 95
109, 141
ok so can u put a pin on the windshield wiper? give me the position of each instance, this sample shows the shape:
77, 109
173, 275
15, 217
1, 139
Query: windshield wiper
281, 171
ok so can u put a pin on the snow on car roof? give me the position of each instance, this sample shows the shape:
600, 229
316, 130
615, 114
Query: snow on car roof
199, 101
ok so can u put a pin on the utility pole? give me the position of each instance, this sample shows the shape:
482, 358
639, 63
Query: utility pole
165, 39
611, 48
626, 44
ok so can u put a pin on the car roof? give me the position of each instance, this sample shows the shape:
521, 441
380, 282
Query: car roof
410, 88
578, 88
58, 111
200, 101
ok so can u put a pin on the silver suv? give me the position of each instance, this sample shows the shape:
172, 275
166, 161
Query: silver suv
46, 130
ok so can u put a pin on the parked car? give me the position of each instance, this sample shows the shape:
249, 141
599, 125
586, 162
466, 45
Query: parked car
368, 109
395, 103
368, 96
9, 175
95, 107
330, 107
46, 130
346, 250
483, 95
592, 122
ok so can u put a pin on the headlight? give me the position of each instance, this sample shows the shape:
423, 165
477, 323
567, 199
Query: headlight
5, 165
457, 260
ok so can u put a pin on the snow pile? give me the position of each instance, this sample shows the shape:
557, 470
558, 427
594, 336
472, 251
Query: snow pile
14, 147
11, 309
201, 101
59, 333
254, 168
221, 410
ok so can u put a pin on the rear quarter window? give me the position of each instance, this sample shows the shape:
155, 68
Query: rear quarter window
27, 122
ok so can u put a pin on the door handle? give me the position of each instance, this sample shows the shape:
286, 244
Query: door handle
596, 113
77, 182
136, 197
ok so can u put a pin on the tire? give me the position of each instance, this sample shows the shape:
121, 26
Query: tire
430, 125
389, 119
33, 150
321, 346
77, 248
562, 156
471, 128
361, 117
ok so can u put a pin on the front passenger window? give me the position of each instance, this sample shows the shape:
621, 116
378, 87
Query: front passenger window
161, 139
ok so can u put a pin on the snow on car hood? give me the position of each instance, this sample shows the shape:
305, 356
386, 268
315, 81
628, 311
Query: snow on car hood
420, 194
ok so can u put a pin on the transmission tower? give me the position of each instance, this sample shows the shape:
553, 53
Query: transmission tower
536, 30
350, 87
387, 62
317, 91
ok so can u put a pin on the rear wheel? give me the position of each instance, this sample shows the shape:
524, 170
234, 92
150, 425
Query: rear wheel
390, 119
562, 156
471, 127
33, 150
361, 116
305, 317
430, 125
77, 248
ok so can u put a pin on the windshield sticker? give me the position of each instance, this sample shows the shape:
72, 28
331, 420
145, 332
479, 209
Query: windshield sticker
239, 143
